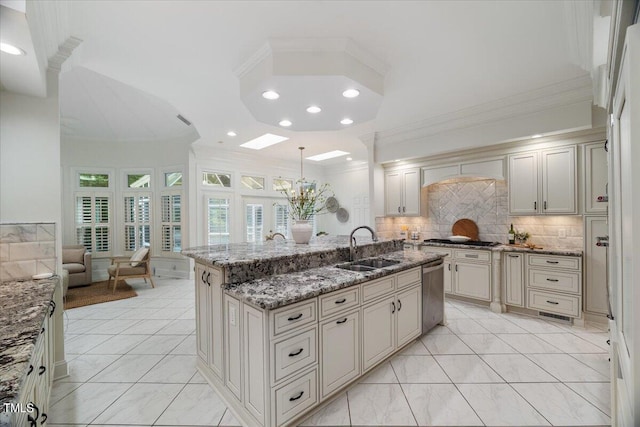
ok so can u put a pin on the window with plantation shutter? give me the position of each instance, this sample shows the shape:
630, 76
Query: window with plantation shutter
254, 221
93, 222
171, 238
218, 220
281, 219
137, 221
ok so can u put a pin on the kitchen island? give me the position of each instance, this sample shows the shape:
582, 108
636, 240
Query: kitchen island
282, 328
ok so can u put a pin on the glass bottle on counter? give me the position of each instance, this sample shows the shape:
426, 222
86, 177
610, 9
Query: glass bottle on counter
512, 235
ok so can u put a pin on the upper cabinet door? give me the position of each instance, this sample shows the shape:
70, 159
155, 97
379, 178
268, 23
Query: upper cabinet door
523, 184
559, 181
411, 194
595, 178
393, 193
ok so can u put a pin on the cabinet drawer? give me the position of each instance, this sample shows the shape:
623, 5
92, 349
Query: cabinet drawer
554, 261
409, 277
483, 256
375, 288
288, 318
554, 280
437, 250
293, 354
335, 302
567, 305
296, 396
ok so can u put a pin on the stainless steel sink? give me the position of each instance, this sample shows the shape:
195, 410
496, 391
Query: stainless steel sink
368, 264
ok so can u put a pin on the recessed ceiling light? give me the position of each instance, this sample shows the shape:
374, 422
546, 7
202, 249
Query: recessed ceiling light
231, 133
11, 49
346, 121
270, 94
264, 141
349, 159
313, 109
351, 93
327, 155
285, 123
537, 135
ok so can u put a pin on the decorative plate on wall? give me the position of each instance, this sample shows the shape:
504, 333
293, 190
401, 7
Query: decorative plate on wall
342, 215
332, 204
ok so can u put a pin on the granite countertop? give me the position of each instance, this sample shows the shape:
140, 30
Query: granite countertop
509, 248
284, 289
24, 307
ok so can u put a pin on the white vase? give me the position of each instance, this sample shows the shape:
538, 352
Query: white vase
302, 231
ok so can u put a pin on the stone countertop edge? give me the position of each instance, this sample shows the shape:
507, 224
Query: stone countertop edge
24, 305
509, 248
284, 289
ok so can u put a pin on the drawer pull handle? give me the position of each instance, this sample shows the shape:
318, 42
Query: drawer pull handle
394, 307
399, 305
52, 304
341, 301
43, 418
551, 280
203, 279
30, 370
41, 370
471, 256
449, 267
553, 302
292, 399
340, 322
291, 319
296, 353
553, 262
208, 277
513, 256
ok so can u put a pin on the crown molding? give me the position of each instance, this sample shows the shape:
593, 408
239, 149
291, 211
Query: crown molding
256, 58
64, 52
561, 94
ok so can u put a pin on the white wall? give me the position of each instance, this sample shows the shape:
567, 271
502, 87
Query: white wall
351, 188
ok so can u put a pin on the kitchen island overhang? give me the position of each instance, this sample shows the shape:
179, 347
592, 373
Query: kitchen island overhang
281, 329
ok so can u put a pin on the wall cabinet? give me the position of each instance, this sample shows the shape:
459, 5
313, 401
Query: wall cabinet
514, 278
594, 178
543, 182
402, 192
595, 264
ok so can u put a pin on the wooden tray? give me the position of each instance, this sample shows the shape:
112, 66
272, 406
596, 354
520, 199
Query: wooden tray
465, 227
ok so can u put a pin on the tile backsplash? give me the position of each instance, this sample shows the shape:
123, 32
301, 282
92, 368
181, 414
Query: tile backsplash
485, 201
27, 249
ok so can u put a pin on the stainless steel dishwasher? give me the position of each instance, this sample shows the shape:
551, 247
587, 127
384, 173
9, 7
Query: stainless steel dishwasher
432, 294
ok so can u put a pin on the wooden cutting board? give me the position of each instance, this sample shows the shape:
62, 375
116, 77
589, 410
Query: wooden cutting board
465, 227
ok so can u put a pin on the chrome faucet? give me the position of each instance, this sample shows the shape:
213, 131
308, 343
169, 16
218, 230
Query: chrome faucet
353, 246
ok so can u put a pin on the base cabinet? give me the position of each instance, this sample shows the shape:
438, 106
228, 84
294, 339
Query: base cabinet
340, 352
378, 331
467, 273
514, 279
554, 284
595, 264
209, 315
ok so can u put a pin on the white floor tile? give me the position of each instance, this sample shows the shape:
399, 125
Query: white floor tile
379, 405
599, 362
83, 343
599, 394
197, 378
560, 405
418, 369
500, 405
106, 313
146, 327
566, 368
179, 327
466, 326
438, 330
533, 325
85, 403
454, 313
114, 326
85, 366
168, 313
570, 343
596, 338
476, 312
118, 344
467, 369
487, 344
141, 404
173, 368
229, 420
129, 368
500, 326
381, 375
336, 413
158, 344
81, 326
195, 405
445, 344
187, 346
528, 343
415, 349
440, 405
60, 390
515, 368
155, 303
138, 313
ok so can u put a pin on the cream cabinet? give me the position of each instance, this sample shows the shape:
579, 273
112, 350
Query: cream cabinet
467, 273
340, 352
595, 265
594, 178
514, 278
232, 349
543, 182
209, 315
554, 284
402, 192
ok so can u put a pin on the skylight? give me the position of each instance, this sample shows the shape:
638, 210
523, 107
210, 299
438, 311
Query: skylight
327, 155
264, 141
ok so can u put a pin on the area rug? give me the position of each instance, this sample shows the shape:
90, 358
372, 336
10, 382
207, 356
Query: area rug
96, 293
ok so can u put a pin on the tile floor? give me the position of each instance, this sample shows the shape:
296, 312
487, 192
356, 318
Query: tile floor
132, 362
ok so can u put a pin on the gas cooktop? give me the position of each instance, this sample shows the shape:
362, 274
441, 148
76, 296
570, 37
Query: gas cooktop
470, 242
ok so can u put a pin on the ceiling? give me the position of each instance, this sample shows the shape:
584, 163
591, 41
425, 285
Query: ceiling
441, 57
